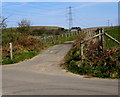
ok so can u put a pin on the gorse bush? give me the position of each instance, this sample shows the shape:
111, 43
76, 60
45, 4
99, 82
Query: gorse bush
24, 46
20, 39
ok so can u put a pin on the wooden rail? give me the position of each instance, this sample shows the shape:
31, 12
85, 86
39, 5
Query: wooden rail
112, 38
92, 37
101, 38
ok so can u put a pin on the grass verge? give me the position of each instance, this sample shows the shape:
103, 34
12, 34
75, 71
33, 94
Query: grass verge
19, 57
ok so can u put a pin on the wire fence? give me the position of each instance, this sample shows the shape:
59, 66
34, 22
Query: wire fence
55, 38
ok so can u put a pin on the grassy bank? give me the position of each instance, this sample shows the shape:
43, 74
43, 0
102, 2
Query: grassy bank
19, 57
95, 63
115, 33
25, 46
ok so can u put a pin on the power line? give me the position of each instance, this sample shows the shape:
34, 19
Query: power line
82, 20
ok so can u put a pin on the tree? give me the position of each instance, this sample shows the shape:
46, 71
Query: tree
24, 26
3, 23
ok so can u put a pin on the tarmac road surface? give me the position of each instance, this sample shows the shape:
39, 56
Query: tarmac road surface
42, 75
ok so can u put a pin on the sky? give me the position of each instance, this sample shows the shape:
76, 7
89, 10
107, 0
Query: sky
84, 14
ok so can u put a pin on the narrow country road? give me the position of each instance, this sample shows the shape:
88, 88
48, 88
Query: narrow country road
42, 75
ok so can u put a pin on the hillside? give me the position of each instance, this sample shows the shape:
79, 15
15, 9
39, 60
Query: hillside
94, 28
27, 45
46, 27
38, 27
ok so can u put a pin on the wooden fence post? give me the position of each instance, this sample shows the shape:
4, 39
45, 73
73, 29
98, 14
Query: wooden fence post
50, 39
99, 31
103, 40
74, 33
81, 50
58, 37
45, 38
65, 34
11, 53
69, 34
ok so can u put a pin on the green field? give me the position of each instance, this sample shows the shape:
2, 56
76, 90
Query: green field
115, 33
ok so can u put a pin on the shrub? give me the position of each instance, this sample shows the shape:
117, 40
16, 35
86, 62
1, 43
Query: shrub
97, 63
23, 45
38, 32
24, 26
